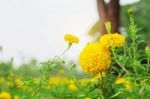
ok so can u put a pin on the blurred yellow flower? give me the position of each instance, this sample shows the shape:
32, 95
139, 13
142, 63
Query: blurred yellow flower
5, 95
18, 83
56, 80
94, 58
71, 39
72, 87
120, 80
112, 40
16, 97
128, 85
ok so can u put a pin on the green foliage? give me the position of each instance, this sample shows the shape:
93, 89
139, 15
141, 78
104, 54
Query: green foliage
141, 10
127, 78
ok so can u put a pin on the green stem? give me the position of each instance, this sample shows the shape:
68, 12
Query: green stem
123, 67
37, 89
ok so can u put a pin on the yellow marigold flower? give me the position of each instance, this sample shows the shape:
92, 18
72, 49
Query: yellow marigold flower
56, 80
94, 58
18, 83
71, 39
112, 40
5, 95
16, 97
128, 85
120, 80
72, 87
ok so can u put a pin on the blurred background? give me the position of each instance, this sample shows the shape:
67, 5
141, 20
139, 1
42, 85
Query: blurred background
35, 28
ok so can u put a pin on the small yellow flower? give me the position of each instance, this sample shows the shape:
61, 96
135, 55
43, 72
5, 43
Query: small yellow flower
56, 80
112, 40
128, 85
94, 58
120, 80
71, 39
5, 95
18, 83
73, 87
16, 97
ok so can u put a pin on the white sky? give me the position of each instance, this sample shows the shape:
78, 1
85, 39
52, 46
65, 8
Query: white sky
35, 28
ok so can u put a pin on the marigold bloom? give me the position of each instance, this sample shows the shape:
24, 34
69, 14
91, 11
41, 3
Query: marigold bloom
120, 80
72, 87
71, 39
128, 85
94, 58
18, 83
5, 95
112, 40
16, 97
56, 80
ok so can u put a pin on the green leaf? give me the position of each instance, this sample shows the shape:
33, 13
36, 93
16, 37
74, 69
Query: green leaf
94, 29
116, 94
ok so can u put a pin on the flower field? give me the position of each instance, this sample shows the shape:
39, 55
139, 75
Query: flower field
113, 67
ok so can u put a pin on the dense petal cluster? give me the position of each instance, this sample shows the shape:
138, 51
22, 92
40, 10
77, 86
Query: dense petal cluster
94, 58
112, 40
71, 38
